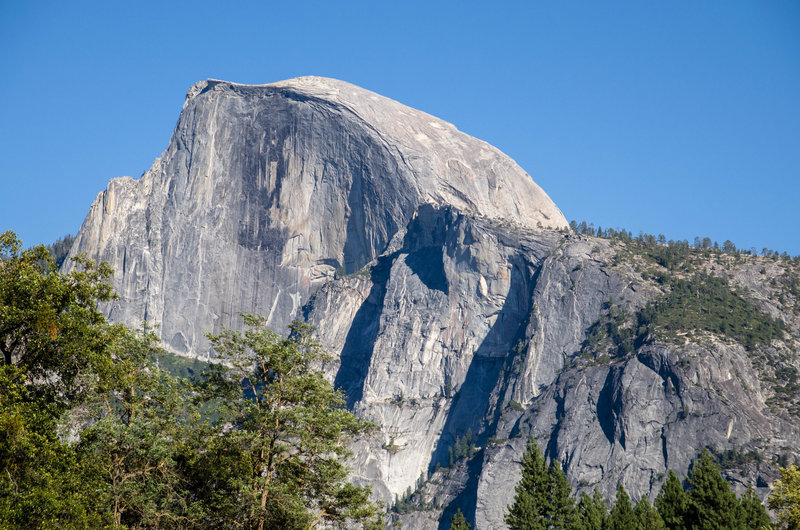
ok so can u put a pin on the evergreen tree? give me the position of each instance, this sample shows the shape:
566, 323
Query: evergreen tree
459, 522
753, 514
61, 248
622, 516
672, 502
563, 513
593, 511
141, 430
712, 504
531, 507
275, 460
647, 516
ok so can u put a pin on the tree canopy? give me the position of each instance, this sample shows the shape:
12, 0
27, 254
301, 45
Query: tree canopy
94, 435
289, 441
785, 498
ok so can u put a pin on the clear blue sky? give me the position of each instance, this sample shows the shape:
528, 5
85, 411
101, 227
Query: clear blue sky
681, 118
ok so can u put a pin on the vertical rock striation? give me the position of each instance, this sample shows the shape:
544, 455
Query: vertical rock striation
265, 191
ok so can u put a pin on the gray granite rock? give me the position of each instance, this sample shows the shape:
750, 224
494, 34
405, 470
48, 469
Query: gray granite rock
479, 326
265, 191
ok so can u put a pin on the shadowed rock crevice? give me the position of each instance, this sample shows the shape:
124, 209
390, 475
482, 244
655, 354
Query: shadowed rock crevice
358, 347
467, 499
551, 449
606, 407
428, 264
475, 399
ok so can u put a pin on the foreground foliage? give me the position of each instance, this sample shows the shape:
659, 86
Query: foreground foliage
283, 460
94, 435
785, 498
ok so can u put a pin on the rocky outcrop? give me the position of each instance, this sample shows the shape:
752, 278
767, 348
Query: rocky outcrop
266, 191
468, 327
458, 317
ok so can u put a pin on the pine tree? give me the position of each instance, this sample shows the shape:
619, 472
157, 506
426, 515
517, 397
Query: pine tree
593, 511
563, 514
712, 504
622, 516
459, 522
753, 514
531, 505
672, 502
281, 466
647, 516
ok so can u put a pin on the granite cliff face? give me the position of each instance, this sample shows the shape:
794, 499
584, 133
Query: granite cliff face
265, 191
467, 326
430, 265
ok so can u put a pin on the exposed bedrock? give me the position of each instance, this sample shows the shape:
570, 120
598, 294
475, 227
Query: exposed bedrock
265, 191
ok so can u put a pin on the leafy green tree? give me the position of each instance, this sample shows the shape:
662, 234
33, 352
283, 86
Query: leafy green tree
672, 502
712, 504
753, 514
54, 345
785, 498
622, 516
593, 511
532, 507
43, 484
50, 327
142, 428
647, 517
459, 522
276, 459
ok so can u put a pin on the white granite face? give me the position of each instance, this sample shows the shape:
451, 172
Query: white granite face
264, 191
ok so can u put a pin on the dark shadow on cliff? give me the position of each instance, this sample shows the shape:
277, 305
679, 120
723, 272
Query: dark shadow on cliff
423, 244
358, 346
355, 251
378, 205
426, 241
487, 371
428, 264
467, 498
607, 405
489, 363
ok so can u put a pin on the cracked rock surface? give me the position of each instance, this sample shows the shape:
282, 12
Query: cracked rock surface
266, 190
